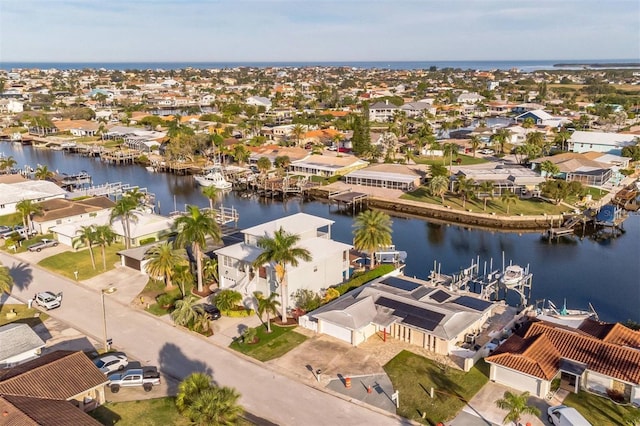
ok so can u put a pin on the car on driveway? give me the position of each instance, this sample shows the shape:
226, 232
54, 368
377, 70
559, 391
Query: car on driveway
44, 243
210, 310
48, 300
111, 362
487, 151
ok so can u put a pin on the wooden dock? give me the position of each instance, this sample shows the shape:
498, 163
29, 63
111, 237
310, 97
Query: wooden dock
349, 199
120, 157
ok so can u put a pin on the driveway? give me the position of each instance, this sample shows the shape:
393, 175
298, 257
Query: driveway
265, 390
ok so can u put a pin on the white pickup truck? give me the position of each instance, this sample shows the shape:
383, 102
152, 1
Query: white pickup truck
147, 377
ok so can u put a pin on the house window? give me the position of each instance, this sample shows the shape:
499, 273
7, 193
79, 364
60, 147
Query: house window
59, 222
227, 261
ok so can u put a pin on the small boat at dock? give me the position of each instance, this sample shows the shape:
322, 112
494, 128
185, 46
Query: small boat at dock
213, 177
512, 275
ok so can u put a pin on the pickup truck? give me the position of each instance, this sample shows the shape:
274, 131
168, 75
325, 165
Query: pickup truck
147, 377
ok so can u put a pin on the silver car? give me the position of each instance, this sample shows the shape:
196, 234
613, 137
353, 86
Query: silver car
48, 300
108, 363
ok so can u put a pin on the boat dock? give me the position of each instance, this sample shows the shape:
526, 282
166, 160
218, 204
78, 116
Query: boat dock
226, 217
349, 199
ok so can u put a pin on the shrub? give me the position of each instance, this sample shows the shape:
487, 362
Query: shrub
330, 294
144, 160
165, 299
615, 395
334, 178
249, 335
147, 241
238, 312
626, 172
364, 278
306, 299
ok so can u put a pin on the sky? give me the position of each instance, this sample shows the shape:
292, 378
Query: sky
317, 30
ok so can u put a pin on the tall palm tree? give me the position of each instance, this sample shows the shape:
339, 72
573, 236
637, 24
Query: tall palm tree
486, 187
516, 405
266, 305
43, 173
438, 186
508, 198
297, 131
162, 260
281, 251
465, 188
194, 229
125, 210
211, 192
186, 312
6, 280
562, 137
549, 169
87, 237
104, 236
27, 208
372, 231
448, 149
500, 138
475, 143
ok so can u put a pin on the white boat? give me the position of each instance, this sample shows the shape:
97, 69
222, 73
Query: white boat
512, 275
569, 317
150, 169
213, 178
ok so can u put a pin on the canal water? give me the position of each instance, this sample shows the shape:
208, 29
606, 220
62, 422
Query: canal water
582, 271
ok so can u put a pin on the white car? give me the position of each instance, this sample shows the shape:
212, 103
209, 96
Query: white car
487, 151
109, 363
48, 300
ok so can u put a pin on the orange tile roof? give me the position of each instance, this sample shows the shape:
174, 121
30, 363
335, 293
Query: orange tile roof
534, 356
616, 334
336, 113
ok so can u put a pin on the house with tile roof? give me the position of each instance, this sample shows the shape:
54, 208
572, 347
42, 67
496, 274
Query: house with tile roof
598, 357
30, 411
61, 375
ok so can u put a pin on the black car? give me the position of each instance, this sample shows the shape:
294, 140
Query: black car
211, 310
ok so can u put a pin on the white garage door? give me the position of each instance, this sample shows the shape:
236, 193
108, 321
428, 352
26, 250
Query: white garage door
517, 381
336, 331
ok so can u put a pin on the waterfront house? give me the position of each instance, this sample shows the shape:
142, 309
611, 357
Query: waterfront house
520, 180
326, 165
61, 376
18, 344
404, 308
609, 143
392, 176
78, 128
259, 101
59, 211
579, 167
329, 264
542, 118
34, 190
598, 357
469, 98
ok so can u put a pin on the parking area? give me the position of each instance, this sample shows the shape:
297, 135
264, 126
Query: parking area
34, 256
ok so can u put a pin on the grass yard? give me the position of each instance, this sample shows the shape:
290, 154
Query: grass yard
413, 376
11, 219
24, 244
24, 315
270, 345
157, 287
600, 411
465, 160
68, 262
524, 207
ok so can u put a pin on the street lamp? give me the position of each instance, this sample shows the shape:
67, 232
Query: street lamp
109, 290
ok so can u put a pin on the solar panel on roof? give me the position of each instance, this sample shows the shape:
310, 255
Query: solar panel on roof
472, 303
412, 315
420, 293
400, 283
440, 296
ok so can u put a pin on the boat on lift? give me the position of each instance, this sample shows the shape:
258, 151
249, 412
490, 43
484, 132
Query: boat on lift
512, 275
213, 177
569, 317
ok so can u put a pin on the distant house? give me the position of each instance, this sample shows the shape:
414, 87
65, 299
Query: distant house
515, 179
78, 128
392, 176
469, 98
60, 376
35, 190
18, 344
579, 167
327, 166
597, 357
11, 106
610, 143
542, 118
329, 264
406, 309
418, 109
59, 211
259, 101
382, 111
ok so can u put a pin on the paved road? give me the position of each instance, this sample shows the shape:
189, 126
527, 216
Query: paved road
266, 392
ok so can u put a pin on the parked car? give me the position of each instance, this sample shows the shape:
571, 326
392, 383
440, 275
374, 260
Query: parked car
4, 228
210, 310
147, 377
48, 300
44, 243
562, 415
487, 151
111, 362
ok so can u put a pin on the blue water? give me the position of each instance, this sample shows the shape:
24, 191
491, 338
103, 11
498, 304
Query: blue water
524, 65
605, 274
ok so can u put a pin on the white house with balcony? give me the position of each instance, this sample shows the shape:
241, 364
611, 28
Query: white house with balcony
329, 264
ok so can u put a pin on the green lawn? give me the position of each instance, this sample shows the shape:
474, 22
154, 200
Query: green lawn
24, 315
67, 262
465, 160
414, 376
24, 244
598, 410
11, 219
271, 345
525, 207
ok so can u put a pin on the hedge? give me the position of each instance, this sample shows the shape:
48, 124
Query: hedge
364, 278
238, 313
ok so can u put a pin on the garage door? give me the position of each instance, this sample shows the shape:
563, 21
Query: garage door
516, 380
132, 263
335, 331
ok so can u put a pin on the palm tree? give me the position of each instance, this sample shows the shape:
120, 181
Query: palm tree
516, 405
182, 276
7, 163
486, 187
281, 251
227, 299
263, 164
297, 131
216, 406
211, 192
500, 138
372, 231
43, 173
87, 237
162, 260
28, 208
190, 388
266, 305
125, 210
241, 154
509, 197
210, 269
475, 143
562, 137
438, 186
448, 149
194, 229
185, 313
465, 188
549, 169
6, 280
104, 236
